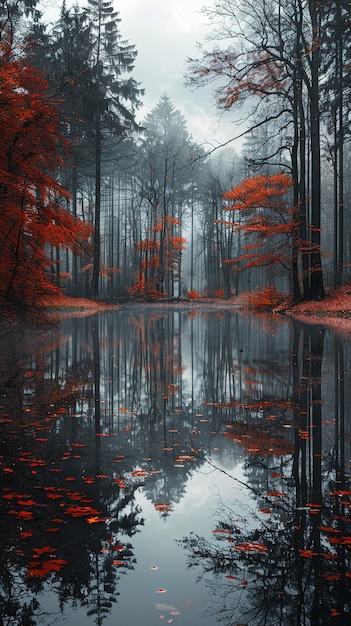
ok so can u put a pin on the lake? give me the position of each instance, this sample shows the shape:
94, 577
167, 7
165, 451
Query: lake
165, 465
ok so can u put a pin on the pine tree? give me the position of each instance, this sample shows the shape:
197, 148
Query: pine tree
112, 99
165, 172
88, 66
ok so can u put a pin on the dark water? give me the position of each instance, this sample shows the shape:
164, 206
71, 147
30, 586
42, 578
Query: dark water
186, 467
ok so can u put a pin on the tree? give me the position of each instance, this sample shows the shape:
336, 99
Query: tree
88, 65
266, 222
11, 13
165, 171
274, 62
111, 97
160, 257
32, 215
217, 242
61, 55
336, 67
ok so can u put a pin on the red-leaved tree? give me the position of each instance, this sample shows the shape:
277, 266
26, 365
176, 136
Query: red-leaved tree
32, 213
265, 221
160, 256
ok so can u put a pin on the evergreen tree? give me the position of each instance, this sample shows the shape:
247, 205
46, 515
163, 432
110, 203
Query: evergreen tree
88, 65
166, 170
112, 99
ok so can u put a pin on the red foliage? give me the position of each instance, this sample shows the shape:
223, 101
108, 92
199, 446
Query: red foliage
160, 258
193, 295
144, 288
31, 199
219, 293
265, 299
258, 192
267, 222
260, 76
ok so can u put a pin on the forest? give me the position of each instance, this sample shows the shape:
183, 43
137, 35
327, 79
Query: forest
96, 205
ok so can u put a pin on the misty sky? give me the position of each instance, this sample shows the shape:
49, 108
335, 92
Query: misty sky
165, 33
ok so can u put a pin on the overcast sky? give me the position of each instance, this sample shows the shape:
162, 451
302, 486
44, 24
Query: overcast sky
165, 33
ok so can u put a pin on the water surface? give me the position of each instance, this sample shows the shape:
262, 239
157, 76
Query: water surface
190, 467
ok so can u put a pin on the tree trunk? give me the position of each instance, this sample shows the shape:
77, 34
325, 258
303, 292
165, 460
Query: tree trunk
97, 220
316, 290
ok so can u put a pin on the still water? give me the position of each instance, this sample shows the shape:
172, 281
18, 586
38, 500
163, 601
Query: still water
173, 466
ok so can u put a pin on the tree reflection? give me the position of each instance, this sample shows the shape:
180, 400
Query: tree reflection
94, 412
290, 564
65, 516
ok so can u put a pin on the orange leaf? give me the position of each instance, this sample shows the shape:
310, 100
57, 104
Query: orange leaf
307, 554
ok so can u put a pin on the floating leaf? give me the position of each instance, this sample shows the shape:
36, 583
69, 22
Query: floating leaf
163, 507
42, 570
328, 529
39, 551
24, 515
140, 473
82, 511
167, 607
120, 482
307, 554
27, 503
54, 496
330, 555
251, 546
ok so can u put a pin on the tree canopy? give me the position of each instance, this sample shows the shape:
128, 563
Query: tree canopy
32, 213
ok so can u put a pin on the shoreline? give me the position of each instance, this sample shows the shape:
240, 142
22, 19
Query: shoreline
333, 312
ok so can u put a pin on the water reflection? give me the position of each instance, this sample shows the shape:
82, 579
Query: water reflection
110, 407
292, 560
